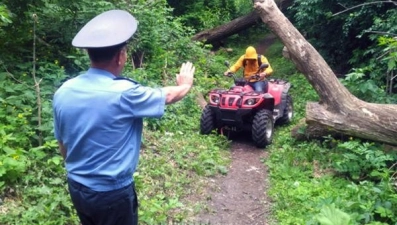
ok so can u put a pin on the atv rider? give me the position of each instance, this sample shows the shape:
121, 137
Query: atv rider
251, 61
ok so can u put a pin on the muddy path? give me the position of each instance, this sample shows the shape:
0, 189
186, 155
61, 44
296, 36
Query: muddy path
240, 197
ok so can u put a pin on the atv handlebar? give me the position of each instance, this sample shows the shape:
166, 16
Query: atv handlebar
255, 76
242, 81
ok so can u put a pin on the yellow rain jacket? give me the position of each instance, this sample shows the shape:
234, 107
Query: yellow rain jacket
251, 66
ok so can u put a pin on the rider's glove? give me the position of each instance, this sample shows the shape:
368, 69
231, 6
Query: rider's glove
262, 75
228, 73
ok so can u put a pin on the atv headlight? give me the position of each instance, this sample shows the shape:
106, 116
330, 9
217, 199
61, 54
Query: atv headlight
215, 99
251, 101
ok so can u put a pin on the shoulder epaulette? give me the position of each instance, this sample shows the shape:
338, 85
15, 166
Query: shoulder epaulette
126, 78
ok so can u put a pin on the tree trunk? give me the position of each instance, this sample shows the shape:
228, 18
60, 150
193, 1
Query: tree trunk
221, 32
338, 110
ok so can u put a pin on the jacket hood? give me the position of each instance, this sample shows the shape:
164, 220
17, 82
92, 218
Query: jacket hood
250, 53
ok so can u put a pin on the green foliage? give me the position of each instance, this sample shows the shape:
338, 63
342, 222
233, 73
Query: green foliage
311, 180
306, 186
318, 182
359, 38
330, 215
157, 34
338, 36
164, 42
46, 199
367, 82
204, 14
362, 160
305, 181
301, 92
283, 68
390, 52
179, 115
4, 15
15, 132
21, 163
364, 88
171, 163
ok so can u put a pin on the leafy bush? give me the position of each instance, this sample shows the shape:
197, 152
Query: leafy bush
305, 181
16, 134
313, 182
40, 196
346, 39
361, 161
203, 14
364, 88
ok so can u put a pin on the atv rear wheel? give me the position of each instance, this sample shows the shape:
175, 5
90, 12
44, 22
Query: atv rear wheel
262, 128
207, 121
288, 112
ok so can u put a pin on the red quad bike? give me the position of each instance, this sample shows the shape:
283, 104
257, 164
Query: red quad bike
242, 109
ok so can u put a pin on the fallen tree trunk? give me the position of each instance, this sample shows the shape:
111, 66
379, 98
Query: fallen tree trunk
217, 34
221, 32
338, 110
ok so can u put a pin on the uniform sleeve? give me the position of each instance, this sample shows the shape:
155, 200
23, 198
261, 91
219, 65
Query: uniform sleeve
55, 121
143, 101
268, 70
237, 65
56, 129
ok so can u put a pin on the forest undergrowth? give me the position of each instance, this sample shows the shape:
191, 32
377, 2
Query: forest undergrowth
346, 181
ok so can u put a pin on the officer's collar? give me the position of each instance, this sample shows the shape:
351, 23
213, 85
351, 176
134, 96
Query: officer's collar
100, 72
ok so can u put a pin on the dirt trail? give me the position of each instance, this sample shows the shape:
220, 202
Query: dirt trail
240, 197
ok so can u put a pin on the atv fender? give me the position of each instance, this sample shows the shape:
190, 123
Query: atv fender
268, 103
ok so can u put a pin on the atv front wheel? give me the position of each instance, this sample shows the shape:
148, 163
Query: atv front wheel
207, 121
262, 128
288, 112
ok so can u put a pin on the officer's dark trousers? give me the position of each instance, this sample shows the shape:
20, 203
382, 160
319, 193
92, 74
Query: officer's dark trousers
118, 207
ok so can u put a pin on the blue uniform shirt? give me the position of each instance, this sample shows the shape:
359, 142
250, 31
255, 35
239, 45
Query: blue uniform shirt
99, 121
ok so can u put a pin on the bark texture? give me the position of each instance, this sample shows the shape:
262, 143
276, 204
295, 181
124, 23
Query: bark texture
338, 110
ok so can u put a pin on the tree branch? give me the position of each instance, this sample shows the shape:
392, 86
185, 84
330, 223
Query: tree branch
37, 84
364, 4
10, 74
382, 33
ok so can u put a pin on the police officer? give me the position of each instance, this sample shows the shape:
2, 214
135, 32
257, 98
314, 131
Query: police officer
98, 121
